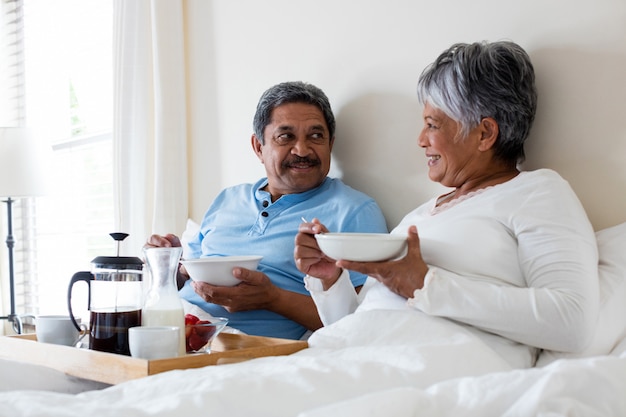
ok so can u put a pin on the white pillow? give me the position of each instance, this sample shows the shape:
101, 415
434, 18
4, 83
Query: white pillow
611, 328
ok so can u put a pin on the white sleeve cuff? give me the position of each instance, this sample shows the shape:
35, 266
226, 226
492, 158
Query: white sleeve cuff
336, 302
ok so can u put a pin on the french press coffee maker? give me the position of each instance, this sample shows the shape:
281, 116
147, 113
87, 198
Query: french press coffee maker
115, 299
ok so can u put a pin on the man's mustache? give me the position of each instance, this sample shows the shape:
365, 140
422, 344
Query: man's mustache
300, 161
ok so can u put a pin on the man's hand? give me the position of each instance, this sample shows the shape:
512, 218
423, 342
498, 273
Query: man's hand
255, 292
167, 241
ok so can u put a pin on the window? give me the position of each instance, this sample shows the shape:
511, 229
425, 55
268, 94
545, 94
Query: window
68, 87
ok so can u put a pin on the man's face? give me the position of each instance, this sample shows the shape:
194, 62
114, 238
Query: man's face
297, 149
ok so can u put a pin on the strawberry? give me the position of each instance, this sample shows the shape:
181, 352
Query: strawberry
197, 336
196, 342
191, 319
204, 331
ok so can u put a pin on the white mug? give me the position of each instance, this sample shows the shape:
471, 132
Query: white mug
153, 342
58, 330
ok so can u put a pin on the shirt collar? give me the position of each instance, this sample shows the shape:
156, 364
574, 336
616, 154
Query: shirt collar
262, 195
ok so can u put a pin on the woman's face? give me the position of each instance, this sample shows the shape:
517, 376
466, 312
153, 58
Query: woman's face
451, 158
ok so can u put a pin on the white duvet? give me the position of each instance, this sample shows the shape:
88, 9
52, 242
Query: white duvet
375, 363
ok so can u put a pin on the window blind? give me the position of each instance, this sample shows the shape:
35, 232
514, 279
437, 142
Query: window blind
71, 95
12, 99
12, 114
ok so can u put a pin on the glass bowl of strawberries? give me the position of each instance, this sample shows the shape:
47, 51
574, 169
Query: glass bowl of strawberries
200, 333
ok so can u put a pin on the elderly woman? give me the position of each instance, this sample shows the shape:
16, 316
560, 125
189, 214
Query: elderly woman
510, 255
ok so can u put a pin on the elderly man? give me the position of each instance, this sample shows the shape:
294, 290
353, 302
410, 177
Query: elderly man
294, 129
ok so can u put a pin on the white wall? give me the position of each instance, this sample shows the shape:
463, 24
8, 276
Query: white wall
367, 55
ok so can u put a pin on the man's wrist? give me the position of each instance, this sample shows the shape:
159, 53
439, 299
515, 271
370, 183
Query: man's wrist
181, 276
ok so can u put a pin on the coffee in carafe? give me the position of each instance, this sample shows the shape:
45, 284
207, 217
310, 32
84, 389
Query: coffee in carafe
115, 299
109, 330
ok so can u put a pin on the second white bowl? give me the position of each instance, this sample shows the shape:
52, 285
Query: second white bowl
217, 270
362, 247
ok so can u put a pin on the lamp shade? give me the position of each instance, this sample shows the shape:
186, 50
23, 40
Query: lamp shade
21, 163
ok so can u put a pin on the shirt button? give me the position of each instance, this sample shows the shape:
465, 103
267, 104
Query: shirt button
264, 214
266, 203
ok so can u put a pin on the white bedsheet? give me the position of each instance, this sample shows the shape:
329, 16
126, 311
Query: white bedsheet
378, 363
582, 387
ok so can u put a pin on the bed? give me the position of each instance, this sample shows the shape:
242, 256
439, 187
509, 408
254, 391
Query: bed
367, 364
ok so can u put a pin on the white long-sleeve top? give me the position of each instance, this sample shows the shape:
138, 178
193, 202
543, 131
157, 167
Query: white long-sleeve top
518, 260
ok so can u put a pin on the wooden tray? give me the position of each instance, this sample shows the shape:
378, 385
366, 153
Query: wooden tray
111, 368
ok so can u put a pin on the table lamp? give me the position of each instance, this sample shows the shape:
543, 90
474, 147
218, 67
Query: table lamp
20, 176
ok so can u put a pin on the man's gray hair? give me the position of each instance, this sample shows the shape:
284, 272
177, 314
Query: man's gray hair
291, 92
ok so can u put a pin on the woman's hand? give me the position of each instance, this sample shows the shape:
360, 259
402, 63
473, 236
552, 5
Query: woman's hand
402, 276
310, 259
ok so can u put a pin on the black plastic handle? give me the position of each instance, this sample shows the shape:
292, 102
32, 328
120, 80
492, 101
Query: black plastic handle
79, 276
119, 236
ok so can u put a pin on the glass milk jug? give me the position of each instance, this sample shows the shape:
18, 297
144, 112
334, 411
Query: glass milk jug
163, 306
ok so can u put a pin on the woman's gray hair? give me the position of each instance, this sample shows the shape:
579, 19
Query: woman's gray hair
469, 82
291, 92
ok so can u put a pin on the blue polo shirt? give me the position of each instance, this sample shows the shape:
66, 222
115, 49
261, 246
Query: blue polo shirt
243, 221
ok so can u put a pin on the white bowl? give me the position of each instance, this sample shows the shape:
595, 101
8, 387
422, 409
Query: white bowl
217, 270
362, 247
